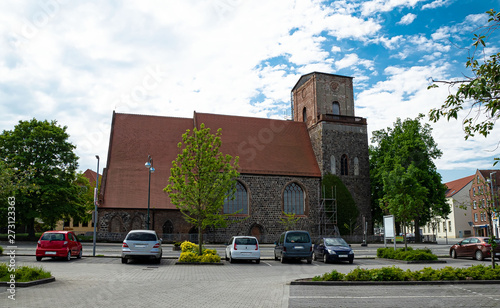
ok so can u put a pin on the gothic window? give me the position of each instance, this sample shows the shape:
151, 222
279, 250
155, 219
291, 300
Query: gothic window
344, 166
335, 108
304, 115
293, 199
356, 166
240, 201
333, 166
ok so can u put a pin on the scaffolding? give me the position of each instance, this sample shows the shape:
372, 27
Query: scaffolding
328, 214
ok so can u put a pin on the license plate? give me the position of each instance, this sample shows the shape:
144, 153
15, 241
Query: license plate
299, 247
342, 256
50, 252
140, 246
497, 254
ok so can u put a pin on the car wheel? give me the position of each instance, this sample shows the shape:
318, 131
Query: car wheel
325, 259
276, 257
231, 260
314, 257
479, 255
351, 261
257, 261
225, 257
124, 260
158, 260
453, 254
39, 258
80, 254
282, 259
68, 257
309, 260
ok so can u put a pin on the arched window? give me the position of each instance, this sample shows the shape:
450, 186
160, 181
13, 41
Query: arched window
168, 227
304, 115
344, 166
293, 199
239, 203
335, 108
333, 164
356, 166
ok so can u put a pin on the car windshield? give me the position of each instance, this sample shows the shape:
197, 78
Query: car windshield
335, 242
245, 241
53, 237
141, 236
298, 238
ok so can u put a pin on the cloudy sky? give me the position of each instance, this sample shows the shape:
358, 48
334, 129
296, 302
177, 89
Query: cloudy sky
76, 62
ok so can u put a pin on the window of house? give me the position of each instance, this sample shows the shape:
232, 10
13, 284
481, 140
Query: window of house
335, 108
439, 227
356, 166
293, 199
449, 226
474, 204
333, 166
444, 226
240, 201
344, 166
475, 217
66, 223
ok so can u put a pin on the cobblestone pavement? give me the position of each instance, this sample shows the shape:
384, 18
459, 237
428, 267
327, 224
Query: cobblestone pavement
105, 282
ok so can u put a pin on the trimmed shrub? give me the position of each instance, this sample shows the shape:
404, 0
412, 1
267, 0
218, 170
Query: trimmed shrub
23, 273
409, 255
188, 246
477, 272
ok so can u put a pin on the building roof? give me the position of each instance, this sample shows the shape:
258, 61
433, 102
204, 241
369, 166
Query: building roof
91, 175
457, 185
264, 147
304, 78
486, 174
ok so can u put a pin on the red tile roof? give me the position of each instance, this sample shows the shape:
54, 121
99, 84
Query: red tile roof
265, 146
457, 185
91, 175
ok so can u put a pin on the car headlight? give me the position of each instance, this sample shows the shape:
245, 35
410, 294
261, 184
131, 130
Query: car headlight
331, 251
351, 252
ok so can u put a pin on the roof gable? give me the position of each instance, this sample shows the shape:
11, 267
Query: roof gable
457, 185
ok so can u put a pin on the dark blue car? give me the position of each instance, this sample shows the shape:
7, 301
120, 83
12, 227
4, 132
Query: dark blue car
331, 249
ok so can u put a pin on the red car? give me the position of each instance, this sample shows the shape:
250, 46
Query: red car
475, 247
58, 244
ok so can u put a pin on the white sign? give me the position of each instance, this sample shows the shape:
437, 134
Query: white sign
389, 226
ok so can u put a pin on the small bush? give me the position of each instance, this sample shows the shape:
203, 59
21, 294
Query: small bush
187, 246
1, 250
358, 274
332, 276
189, 254
23, 273
189, 257
210, 258
409, 255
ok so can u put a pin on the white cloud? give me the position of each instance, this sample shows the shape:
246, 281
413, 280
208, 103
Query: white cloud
374, 6
407, 19
436, 4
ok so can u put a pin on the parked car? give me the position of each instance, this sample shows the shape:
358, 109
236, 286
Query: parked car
243, 248
293, 245
332, 249
142, 244
475, 247
58, 244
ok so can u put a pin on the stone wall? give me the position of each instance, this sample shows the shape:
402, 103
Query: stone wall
265, 210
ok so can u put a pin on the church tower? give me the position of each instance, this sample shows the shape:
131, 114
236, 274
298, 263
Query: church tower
325, 103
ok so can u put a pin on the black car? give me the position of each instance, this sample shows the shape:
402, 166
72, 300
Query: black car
332, 249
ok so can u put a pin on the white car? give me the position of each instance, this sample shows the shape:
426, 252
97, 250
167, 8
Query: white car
243, 248
142, 244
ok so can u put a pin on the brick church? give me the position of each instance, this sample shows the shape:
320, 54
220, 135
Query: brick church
281, 165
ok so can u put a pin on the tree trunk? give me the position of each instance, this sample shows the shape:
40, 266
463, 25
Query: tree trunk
200, 241
418, 238
31, 228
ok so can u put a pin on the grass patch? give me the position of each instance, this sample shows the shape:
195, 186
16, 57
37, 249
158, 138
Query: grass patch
476, 272
23, 273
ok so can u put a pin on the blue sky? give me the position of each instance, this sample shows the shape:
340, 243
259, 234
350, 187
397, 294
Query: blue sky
76, 62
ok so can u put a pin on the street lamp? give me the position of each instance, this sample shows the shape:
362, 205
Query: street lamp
96, 193
149, 165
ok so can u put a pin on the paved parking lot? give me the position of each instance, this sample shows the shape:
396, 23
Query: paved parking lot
105, 282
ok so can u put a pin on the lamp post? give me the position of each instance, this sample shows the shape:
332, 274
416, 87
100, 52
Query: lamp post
149, 165
96, 193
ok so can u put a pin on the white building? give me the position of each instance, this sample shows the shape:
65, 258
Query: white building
458, 224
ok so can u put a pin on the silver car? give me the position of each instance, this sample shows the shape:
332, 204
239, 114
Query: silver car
142, 244
243, 248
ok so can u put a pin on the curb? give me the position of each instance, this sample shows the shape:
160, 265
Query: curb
29, 283
198, 263
415, 262
388, 283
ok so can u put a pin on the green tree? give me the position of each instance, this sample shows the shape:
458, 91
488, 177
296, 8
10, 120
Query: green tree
40, 153
201, 178
406, 150
347, 211
479, 92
